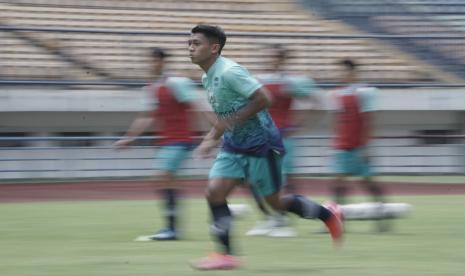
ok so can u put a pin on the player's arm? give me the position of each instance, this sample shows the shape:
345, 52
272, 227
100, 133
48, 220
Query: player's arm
259, 101
239, 80
303, 117
307, 98
138, 126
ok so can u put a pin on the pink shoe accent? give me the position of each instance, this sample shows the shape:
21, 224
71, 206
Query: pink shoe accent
216, 261
335, 224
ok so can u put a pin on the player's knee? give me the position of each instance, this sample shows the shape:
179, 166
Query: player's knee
214, 196
277, 202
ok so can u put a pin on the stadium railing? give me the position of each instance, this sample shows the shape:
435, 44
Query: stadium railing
90, 157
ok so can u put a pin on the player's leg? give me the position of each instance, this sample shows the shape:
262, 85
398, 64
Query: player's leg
260, 202
217, 192
342, 166
376, 191
378, 195
282, 224
225, 174
276, 223
172, 157
308, 209
265, 225
364, 169
268, 181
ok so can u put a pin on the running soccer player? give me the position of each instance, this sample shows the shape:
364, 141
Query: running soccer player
285, 89
252, 148
173, 100
354, 106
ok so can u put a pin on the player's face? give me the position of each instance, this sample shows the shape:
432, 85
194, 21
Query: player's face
347, 75
157, 66
200, 48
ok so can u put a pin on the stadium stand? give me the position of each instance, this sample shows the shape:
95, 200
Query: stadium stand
118, 54
443, 21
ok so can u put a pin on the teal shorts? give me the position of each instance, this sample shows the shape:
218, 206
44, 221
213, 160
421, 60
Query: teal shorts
263, 173
352, 162
170, 157
288, 159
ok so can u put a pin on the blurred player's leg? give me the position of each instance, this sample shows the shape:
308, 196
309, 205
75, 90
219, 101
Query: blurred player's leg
378, 195
273, 224
308, 209
264, 226
340, 190
173, 157
269, 175
373, 188
169, 209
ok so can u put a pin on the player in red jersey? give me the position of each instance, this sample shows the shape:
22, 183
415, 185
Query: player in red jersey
354, 106
286, 89
173, 99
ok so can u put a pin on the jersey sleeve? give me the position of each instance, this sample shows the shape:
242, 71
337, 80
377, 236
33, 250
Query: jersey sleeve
239, 79
183, 89
301, 86
368, 98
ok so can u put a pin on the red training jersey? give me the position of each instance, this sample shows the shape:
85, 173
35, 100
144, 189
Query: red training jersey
280, 109
173, 117
350, 120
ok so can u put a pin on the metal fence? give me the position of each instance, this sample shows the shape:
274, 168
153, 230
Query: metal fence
84, 157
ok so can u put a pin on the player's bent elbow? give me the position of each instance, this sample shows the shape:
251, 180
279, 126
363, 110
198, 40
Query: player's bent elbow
264, 100
267, 103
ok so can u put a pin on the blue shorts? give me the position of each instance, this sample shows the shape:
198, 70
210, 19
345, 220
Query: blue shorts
352, 162
263, 173
169, 157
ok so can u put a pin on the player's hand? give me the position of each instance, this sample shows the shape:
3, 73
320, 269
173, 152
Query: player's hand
123, 143
204, 150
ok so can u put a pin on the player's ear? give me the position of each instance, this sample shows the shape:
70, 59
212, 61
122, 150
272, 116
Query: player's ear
215, 48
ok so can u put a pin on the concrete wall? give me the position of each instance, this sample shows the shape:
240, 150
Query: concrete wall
45, 112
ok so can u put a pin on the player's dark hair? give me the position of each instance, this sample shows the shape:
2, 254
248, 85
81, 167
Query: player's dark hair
280, 49
214, 34
159, 53
349, 64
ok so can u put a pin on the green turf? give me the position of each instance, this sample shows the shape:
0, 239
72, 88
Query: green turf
95, 238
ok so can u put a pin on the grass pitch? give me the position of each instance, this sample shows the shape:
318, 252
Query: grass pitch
96, 238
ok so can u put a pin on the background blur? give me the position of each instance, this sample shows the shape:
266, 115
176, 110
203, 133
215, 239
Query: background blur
72, 75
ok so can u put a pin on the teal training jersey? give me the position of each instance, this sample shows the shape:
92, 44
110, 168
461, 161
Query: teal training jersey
229, 87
